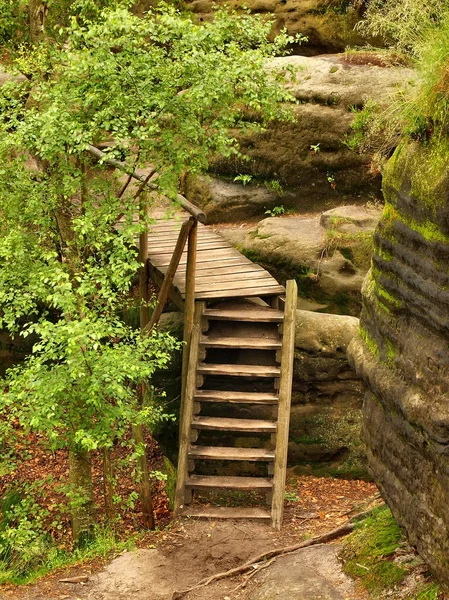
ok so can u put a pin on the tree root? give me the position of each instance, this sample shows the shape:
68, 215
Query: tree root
254, 566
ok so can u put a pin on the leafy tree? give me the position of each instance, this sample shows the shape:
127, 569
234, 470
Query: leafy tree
163, 91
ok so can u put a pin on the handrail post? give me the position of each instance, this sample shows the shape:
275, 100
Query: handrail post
171, 271
189, 304
144, 291
285, 397
186, 414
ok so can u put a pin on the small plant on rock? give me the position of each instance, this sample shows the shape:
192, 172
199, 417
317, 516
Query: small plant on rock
244, 179
276, 211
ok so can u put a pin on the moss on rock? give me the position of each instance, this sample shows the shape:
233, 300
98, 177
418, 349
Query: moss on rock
402, 350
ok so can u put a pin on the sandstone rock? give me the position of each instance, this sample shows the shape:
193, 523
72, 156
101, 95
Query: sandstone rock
4, 77
328, 27
402, 352
292, 241
225, 201
351, 219
172, 322
283, 157
325, 420
328, 264
326, 334
307, 575
333, 80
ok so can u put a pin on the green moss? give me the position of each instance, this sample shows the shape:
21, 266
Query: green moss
368, 550
427, 229
370, 343
309, 440
431, 591
391, 351
355, 247
383, 253
424, 168
382, 292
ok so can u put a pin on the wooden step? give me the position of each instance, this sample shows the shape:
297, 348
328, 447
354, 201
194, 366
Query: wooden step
235, 397
203, 482
238, 370
229, 424
239, 342
256, 314
226, 512
221, 453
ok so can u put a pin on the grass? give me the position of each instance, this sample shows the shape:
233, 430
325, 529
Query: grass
431, 591
104, 545
368, 552
419, 30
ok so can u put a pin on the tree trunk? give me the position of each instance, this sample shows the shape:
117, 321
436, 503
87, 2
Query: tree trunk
108, 484
142, 463
83, 509
144, 480
37, 13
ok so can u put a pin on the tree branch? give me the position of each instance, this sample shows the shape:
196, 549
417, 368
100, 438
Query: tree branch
188, 206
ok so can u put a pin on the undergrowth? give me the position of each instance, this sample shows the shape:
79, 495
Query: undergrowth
31, 553
367, 550
369, 555
419, 30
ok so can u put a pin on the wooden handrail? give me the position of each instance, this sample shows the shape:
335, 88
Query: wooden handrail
189, 304
170, 274
285, 397
187, 409
197, 213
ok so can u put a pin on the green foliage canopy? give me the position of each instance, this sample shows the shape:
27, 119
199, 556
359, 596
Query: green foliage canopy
164, 92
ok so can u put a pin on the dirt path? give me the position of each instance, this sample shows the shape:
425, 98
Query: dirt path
197, 549
190, 550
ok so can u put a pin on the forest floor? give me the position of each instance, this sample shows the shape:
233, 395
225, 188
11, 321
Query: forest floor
188, 550
180, 553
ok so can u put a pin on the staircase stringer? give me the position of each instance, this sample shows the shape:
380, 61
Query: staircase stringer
187, 408
285, 396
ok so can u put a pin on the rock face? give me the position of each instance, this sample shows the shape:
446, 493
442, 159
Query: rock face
307, 575
402, 352
327, 255
304, 164
325, 421
328, 24
13, 350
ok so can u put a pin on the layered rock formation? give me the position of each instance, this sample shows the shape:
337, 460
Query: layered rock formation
327, 398
328, 255
402, 352
302, 164
328, 24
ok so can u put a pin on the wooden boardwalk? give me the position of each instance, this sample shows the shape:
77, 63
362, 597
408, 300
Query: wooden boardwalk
221, 270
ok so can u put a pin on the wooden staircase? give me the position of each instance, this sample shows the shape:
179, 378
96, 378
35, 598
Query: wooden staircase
236, 408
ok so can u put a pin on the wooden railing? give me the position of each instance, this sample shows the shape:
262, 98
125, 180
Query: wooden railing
188, 235
112, 162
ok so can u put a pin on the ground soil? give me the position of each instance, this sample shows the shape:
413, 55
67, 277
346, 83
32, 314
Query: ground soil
186, 551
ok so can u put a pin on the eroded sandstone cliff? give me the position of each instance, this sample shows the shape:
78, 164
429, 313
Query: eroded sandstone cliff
402, 352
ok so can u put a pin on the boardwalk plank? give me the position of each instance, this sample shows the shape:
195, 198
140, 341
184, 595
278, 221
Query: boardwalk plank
222, 272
